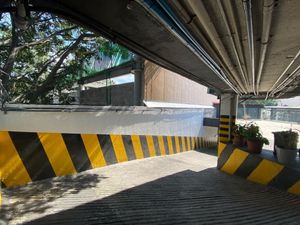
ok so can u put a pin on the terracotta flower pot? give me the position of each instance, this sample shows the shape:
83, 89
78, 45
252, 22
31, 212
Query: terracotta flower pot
238, 140
254, 146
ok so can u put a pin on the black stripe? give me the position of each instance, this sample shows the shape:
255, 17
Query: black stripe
156, 145
173, 144
224, 129
128, 147
3, 185
33, 155
107, 149
249, 164
224, 116
166, 145
285, 179
224, 123
224, 135
186, 143
144, 145
191, 145
179, 143
182, 141
77, 152
224, 156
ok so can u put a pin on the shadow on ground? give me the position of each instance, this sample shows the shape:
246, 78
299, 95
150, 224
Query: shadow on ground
35, 197
209, 151
188, 197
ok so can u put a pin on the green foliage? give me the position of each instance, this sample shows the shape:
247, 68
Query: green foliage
51, 55
286, 139
252, 132
239, 129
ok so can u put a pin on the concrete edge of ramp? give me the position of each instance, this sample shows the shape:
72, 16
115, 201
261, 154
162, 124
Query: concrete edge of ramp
236, 161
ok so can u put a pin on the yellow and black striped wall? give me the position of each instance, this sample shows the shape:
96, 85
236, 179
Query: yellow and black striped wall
254, 168
225, 124
31, 156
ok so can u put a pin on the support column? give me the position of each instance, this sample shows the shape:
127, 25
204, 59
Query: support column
228, 112
138, 70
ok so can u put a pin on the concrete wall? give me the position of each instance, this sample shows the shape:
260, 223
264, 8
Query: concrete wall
119, 95
116, 120
166, 86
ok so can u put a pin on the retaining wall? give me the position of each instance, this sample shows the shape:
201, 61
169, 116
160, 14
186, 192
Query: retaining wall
39, 143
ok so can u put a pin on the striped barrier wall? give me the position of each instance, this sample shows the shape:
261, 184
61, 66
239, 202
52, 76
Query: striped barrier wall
30, 156
235, 161
224, 127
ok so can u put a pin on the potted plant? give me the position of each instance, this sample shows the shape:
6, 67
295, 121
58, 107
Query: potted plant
255, 140
285, 144
238, 132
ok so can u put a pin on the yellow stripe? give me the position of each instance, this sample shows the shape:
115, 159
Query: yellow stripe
177, 145
193, 143
161, 145
224, 126
13, 172
221, 147
57, 153
295, 189
137, 147
93, 150
224, 119
150, 146
189, 143
183, 143
235, 160
170, 145
265, 172
223, 139
119, 148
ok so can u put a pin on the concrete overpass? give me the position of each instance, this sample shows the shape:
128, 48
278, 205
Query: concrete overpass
243, 47
238, 48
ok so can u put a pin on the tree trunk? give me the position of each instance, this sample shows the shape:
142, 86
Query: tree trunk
13, 50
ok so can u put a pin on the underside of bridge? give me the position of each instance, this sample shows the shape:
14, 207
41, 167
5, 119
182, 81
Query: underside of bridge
244, 47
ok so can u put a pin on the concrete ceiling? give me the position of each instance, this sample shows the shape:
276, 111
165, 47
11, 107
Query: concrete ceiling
252, 46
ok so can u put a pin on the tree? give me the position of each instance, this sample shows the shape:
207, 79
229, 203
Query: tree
47, 58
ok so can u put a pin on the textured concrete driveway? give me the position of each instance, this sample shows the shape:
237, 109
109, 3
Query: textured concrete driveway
179, 189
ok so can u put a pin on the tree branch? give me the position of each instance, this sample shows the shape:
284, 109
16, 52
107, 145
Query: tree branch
49, 82
46, 39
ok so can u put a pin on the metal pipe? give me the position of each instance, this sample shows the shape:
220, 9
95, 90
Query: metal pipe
170, 20
229, 31
236, 33
283, 73
248, 12
267, 21
286, 81
211, 32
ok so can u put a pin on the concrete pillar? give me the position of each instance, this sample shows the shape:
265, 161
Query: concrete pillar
228, 112
139, 80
